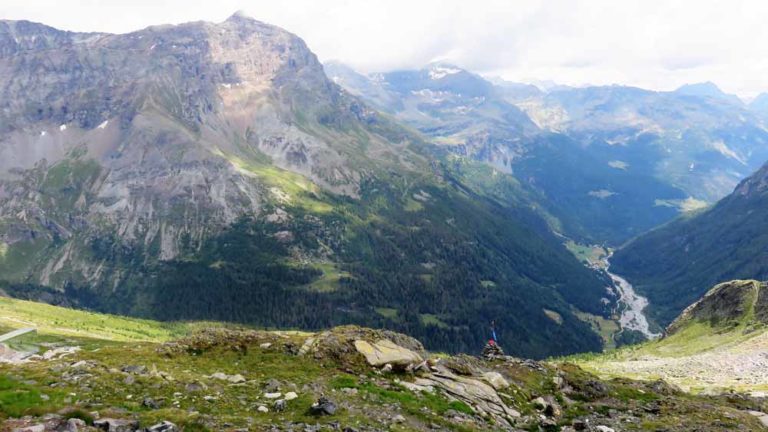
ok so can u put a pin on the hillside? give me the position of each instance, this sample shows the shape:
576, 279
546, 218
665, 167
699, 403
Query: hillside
609, 162
346, 378
716, 345
676, 263
211, 171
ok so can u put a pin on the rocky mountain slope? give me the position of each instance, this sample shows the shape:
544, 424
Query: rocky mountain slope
610, 162
213, 171
674, 265
717, 345
143, 375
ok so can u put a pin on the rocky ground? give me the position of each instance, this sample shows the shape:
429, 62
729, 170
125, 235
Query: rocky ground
742, 367
717, 345
349, 379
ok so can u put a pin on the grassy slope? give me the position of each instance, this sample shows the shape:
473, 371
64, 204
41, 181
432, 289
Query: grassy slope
676, 263
366, 399
58, 321
697, 356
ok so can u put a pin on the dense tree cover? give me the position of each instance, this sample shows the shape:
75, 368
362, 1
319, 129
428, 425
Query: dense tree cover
679, 262
595, 201
435, 261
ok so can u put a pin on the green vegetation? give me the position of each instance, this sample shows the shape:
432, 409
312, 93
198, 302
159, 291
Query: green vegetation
447, 270
677, 263
54, 320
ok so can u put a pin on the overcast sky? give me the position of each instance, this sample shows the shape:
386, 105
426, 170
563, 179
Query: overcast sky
658, 44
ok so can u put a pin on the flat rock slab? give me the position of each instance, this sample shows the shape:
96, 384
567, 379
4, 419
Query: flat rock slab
385, 352
763, 417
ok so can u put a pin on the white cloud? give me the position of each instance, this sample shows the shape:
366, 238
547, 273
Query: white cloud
657, 44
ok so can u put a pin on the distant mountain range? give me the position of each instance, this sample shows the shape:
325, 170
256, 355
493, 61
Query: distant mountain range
610, 162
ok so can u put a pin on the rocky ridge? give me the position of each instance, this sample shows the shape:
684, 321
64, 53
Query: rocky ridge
237, 380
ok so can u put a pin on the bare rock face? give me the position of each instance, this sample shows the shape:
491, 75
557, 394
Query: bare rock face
159, 138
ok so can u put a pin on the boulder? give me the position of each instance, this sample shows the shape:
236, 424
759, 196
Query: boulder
384, 352
475, 393
117, 425
74, 425
323, 407
496, 380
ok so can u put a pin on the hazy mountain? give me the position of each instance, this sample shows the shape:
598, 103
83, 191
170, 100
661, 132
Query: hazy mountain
678, 262
610, 162
213, 171
458, 109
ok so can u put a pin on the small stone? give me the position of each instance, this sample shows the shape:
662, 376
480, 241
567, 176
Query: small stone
262, 409
220, 376
150, 403
164, 426
265, 345
236, 379
136, 370
272, 395
194, 387
129, 380
280, 405
33, 428
291, 396
602, 428
579, 425
398, 419
387, 368
272, 386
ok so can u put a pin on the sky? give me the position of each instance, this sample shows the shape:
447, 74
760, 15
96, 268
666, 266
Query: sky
655, 44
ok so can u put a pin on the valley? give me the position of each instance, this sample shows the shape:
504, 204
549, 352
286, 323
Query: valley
208, 226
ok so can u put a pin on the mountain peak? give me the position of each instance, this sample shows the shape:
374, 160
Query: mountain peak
240, 15
706, 89
440, 70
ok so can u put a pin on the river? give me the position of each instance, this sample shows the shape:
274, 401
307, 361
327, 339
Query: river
632, 316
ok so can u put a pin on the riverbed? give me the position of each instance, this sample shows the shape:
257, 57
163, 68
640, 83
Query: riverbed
632, 315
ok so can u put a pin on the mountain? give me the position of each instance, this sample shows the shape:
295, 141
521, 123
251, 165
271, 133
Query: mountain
759, 105
213, 171
707, 90
716, 345
138, 375
674, 264
458, 109
608, 162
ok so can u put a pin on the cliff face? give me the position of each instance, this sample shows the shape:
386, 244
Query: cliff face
158, 136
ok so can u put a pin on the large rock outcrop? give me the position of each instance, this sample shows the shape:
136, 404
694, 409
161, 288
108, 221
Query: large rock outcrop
729, 304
